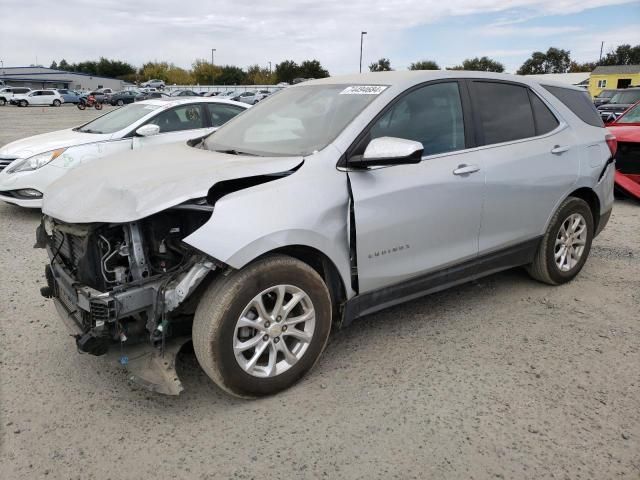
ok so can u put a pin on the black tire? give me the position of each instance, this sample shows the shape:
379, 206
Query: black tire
120, 102
82, 106
57, 103
98, 106
544, 267
23, 103
3, 102
221, 306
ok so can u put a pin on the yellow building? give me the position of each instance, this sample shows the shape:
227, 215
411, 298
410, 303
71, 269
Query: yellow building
613, 76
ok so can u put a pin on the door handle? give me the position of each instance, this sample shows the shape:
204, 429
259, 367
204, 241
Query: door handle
465, 169
557, 150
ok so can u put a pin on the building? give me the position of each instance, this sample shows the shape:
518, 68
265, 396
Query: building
41, 77
613, 76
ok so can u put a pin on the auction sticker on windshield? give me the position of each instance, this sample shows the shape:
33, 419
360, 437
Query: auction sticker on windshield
364, 90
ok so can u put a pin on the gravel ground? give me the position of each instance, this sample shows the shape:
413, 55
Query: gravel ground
499, 378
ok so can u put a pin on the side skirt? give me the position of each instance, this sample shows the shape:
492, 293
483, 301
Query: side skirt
376, 300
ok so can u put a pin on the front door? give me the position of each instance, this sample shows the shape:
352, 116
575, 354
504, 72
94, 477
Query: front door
413, 219
177, 124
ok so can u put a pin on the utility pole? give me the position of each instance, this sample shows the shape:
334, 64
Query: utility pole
362, 34
269, 67
601, 47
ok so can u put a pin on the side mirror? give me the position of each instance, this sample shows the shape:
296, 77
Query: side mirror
387, 151
148, 130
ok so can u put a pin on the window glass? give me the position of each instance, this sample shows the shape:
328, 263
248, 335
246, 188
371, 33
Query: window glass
632, 115
431, 115
118, 119
545, 120
504, 110
185, 117
221, 113
626, 97
579, 103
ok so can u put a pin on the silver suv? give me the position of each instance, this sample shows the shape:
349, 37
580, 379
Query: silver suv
329, 201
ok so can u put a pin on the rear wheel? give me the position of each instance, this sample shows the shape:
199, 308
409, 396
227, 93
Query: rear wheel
565, 246
98, 106
120, 102
260, 329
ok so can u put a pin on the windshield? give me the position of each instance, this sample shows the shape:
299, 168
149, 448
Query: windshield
632, 115
607, 94
118, 119
297, 121
626, 97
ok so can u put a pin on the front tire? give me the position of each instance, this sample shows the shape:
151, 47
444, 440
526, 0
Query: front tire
23, 103
120, 102
566, 244
3, 102
57, 103
258, 330
98, 106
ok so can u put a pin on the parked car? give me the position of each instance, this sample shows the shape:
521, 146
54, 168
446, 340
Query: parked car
149, 95
7, 93
184, 93
256, 240
99, 96
604, 97
626, 129
621, 101
30, 165
124, 97
69, 96
154, 83
249, 97
37, 97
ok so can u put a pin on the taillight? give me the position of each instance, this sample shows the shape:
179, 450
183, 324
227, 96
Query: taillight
612, 143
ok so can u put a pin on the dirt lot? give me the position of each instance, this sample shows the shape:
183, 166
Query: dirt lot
500, 378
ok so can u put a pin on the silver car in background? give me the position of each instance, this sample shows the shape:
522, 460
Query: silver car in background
329, 201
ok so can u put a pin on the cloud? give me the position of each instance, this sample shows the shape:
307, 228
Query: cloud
245, 32
527, 31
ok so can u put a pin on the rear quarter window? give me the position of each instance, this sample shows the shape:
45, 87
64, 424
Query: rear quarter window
578, 103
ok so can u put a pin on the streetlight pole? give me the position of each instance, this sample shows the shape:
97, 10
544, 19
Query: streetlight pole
212, 77
362, 34
269, 67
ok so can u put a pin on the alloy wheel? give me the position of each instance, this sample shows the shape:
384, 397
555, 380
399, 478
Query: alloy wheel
274, 331
570, 242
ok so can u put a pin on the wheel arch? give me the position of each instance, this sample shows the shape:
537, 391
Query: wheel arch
588, 195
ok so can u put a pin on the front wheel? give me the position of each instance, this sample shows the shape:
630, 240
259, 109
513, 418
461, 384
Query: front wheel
23, 103
98, 106
57, 103
120, 102
3, 102
566, 244
260, 329
82, 105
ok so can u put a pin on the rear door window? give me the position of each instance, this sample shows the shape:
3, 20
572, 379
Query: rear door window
545, 120
221, 113
185, 117
504, 112
579, 103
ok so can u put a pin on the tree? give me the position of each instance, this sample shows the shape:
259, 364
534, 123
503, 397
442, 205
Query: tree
382, 65
204, 72
553, 61
63, 65
576, 67
286, 71
257, 75
231, 75
424, 65
53, 65
623, 55
482, 64
312, 69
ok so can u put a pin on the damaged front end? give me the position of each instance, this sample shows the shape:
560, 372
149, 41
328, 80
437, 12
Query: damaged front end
129, 290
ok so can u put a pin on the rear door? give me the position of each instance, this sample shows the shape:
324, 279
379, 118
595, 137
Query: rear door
413, 219
530, 161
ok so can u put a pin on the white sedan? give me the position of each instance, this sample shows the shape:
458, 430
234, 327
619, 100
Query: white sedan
30, 165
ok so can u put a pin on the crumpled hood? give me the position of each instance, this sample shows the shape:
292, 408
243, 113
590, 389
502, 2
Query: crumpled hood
136, 184
30, 146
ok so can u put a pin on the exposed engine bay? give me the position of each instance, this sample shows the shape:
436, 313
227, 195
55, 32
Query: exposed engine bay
129, 286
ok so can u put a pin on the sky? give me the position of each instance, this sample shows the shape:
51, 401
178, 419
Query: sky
246, 32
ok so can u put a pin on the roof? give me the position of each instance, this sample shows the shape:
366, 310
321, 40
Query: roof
609, 69
182, 100
44, 71
408, 78
568, 78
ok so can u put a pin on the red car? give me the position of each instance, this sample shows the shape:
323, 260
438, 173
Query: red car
626, 129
